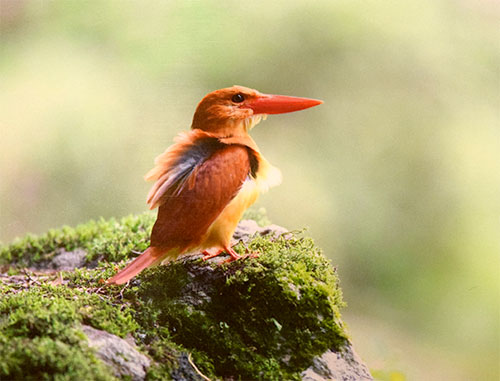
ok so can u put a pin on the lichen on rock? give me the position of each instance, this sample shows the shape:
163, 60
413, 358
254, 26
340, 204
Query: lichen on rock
268, 316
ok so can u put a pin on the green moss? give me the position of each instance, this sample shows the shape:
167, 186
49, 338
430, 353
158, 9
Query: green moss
40, 336
47, 309
43, 358
258, 318
265, 317
112, 239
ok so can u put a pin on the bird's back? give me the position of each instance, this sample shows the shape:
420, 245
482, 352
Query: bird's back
185, 216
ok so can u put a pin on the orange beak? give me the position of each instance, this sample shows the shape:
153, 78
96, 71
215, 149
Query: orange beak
280, 104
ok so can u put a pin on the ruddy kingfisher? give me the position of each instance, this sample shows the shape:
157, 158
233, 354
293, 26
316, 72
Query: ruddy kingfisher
210, 176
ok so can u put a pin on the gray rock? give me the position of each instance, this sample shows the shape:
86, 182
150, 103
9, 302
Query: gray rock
69, 260
248, 228
118, 353
344, 365
64, 260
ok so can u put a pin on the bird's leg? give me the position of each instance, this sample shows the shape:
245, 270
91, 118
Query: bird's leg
207, 255
234, 255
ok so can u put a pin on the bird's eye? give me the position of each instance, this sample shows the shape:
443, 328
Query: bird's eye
238, 98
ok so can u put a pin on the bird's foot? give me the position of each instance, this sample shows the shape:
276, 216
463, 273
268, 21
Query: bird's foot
234, 256
208, 255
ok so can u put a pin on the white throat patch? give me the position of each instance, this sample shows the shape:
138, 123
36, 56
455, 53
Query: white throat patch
253, 120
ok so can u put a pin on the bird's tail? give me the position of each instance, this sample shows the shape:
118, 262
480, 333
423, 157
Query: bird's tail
152, 256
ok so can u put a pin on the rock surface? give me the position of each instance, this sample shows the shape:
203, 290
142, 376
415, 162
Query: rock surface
117, 353
344, 365
273, 315
248, 228
64, 260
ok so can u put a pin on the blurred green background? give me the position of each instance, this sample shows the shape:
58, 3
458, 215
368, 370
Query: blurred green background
397, 175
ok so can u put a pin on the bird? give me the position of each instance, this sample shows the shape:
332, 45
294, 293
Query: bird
209, 177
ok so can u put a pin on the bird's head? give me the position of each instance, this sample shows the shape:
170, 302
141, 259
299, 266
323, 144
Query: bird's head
234, 110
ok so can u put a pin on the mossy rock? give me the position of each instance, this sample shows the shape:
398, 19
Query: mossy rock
270, 316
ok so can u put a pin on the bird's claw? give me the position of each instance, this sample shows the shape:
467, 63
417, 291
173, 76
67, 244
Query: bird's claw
242, 257
234, 256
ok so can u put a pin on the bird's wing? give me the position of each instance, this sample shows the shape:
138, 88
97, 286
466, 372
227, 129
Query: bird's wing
185, 215
177, 163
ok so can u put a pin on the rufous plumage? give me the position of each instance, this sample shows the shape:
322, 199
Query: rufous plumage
210, 176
